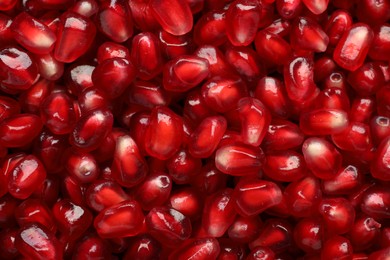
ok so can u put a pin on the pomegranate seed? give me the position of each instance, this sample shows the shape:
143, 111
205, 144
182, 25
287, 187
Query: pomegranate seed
148, 94
25, 177
18, 70
218, 213
75, 35
316, 6
242, 20
230, 249
120, 220
85, 8
188, 201
129, 167
205, 138
184, 73
261, 253
239, 159
146, 55
7, 244
91, 246
168, 226
298, 78
373, 12
7, 4
182, 167
244, 229
35, 211
324, 122
380, 165
282, 135
79, 78
353, 47
209, 179
248, 189
381, 43
211, 28
339, 22
337, 247
154, 191
8, 107
367, 79
307, 35
174, 45
380, 254
73, 220
286, 166
380, 128
144, 247
272, 47
164, 133
383, 96
113, 76
178, 22
34, 240
338, 215
321, 157
114, 20
362, 109
276, 234
308, 235
202, 248
289, 9
303, 196
375, 202
364, 232
8, 206
91, 129
73, 190
348, 179
49, 190
5, 30
32, 34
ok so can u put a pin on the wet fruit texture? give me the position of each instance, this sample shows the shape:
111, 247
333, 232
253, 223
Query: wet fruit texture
195, 129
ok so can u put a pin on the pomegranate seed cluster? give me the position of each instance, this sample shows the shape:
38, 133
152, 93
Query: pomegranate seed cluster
195, 129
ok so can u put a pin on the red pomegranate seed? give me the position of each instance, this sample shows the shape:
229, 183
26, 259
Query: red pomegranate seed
111, 50
174, 45
85, 8
195, 108
339, 22
381, 44
49, 190
146, 55
298, 78
144, 247
7, 244
383, 97
113, 76
275, 234
25, 177
380, 165
373, 12
239, 159
34, 240
202, 248
303, 196
73, 220
353, 46
182, 166
169, 226
261, 253
289, 9
91, 129
338, 215
154, 191
8, 206
272, 47
8, 107
321, 157
32, 34
211, 28
218, 213
324, 122
282, 135
375, 202
81, 166
164, 133
102, 194
244, 229
323, 67
129, 167
79, 77
34, 210
286, 166
316, 6
49, 67
120, 220
18, 70
255, 120
337, 247
367, 79
91, 246
307, 35
209, 179
308, 235
362, 109
242, 20
380, 254
380, 128
188, 201
347, 180
230, 249
75, 35
205, 138
114, 20
177, 22
184, 73
5, 30
364, 232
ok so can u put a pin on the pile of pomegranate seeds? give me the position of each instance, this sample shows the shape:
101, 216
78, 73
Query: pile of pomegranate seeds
195, 129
